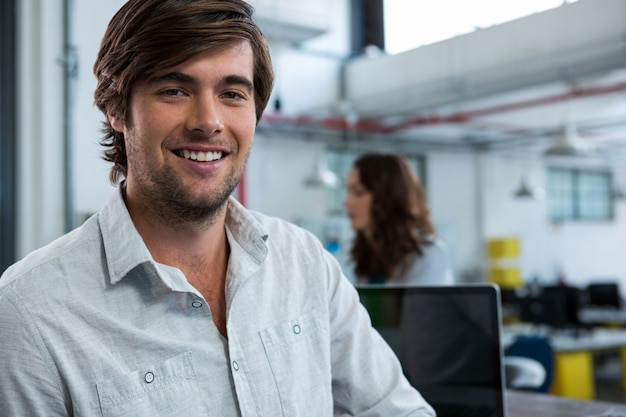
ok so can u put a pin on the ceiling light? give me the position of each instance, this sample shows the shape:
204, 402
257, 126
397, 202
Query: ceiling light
524, 190
569, 143
321, 176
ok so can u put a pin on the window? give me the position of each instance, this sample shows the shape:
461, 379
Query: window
340, 162
579, 195
410, 24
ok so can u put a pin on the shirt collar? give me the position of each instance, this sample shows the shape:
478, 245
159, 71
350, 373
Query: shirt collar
125, 249
123, 245
246, 230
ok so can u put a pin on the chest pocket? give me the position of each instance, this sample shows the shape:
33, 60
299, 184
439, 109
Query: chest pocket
298, 354
157, 390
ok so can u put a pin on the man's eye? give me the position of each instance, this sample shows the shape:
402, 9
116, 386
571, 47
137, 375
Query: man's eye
232, 95
172, 92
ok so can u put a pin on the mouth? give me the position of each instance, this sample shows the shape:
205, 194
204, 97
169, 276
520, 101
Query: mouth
200, 156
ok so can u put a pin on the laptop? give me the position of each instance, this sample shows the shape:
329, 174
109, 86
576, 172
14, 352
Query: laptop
448, 341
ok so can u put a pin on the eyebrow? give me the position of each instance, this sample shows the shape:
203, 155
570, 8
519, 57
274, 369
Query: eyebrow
172, 76
238, 80
189, 79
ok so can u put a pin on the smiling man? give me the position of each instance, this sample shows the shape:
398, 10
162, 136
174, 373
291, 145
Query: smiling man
174, 299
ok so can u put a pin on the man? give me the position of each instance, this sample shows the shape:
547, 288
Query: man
174, 299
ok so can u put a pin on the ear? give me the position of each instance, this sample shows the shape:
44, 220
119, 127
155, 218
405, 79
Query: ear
116, 122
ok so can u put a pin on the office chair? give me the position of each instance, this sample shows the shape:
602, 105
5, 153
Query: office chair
523, 373
537, 348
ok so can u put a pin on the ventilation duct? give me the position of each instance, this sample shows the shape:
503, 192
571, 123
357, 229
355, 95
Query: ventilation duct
292, 21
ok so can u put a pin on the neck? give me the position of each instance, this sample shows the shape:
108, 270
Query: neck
180, 244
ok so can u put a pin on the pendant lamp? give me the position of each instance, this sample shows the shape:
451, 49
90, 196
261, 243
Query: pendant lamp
321, 176
525, 191
569, 143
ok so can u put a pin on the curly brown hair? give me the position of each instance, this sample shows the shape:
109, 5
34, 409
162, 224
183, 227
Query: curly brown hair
399, 215
146, 36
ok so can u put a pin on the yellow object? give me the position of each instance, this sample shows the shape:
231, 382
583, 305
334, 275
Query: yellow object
505, 277
503, 262
503, 248
573, 375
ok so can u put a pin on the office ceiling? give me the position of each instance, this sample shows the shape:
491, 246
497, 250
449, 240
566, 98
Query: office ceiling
516, 87
524, 122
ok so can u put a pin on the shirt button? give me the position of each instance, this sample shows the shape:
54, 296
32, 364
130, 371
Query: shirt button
196, 304
235, 366
296, 329
149, 377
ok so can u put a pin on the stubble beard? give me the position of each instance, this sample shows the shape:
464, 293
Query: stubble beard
173, 204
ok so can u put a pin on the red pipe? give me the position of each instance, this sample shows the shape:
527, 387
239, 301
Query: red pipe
373, 126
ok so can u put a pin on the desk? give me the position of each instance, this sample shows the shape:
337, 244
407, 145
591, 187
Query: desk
602, 316
531, 404
573, 367
565, 341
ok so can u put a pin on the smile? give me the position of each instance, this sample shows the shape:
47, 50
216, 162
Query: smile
200, 156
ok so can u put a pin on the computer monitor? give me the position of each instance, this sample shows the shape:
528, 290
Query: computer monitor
556, 306
448, 341
604, 294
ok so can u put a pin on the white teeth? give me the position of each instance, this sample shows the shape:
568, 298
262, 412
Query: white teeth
201, 156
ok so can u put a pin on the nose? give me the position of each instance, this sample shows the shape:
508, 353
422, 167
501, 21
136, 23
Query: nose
204, 115
346, 201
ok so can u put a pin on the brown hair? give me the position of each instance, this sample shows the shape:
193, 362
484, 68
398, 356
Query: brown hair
145, 36
400, 217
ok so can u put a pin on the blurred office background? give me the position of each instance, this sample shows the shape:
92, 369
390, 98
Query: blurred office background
515, 120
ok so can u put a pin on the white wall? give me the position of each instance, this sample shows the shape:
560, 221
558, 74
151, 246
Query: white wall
275, 176
91, 171
452, 196
582, 251
40, 125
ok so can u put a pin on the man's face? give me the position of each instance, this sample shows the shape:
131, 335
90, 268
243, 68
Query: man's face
189, 132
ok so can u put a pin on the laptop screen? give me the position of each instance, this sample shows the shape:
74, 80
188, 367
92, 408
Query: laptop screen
447, 339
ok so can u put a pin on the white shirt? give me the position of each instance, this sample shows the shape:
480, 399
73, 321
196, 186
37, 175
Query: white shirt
433, 267
91, 325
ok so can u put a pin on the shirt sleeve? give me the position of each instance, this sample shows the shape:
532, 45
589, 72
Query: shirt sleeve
367, 376
28, 384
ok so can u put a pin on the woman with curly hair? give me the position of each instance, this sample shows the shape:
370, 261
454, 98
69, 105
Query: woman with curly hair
395, 241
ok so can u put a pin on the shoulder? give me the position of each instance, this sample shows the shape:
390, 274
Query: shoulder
433, 267
434, 246
274, 230
56, 259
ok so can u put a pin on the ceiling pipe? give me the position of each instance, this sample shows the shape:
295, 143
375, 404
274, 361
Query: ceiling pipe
376, 126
